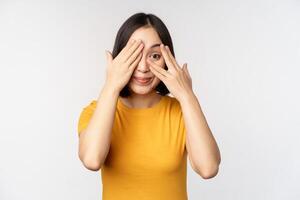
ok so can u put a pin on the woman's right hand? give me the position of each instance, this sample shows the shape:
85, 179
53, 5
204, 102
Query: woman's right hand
120, 69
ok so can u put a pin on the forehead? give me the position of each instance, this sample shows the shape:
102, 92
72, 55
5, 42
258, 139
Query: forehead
148, 36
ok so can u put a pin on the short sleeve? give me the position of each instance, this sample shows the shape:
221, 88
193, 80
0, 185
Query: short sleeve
85, 116
180, 124
182, 129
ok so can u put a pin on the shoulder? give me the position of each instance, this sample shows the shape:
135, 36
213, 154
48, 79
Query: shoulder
88, 108
85, 115
173, 103
91, 104
172, 100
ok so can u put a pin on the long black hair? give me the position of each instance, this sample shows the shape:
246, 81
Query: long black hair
128, 27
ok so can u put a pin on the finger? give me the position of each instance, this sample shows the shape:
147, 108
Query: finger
135, 54
187, 74
172, 57
157, 73
186, 70
130, 51
127, 46
159, 69
167, 59
136, 61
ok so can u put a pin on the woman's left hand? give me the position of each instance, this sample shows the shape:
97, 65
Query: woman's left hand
177, 79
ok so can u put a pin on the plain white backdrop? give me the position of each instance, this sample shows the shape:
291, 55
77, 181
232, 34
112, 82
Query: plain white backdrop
244, 57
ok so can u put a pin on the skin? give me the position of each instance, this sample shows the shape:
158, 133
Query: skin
145, 96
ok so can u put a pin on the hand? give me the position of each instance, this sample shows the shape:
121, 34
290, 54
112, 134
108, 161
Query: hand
176, 79
120, 69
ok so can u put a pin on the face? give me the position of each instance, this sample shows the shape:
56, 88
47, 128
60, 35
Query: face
151, 51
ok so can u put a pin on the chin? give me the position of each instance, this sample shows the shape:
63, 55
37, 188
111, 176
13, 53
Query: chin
141, 90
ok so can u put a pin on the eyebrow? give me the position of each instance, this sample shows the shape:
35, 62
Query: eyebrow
154, 45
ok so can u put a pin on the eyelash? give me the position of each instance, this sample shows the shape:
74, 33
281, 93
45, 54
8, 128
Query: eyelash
158, 55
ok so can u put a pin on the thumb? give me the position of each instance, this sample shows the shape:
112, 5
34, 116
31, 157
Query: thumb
108, 56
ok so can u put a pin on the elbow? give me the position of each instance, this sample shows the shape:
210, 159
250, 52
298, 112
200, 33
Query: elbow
90, 163
208, 172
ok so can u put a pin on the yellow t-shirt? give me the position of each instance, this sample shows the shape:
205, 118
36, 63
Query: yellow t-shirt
147, 159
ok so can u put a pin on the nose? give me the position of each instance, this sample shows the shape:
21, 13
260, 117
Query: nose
142, 65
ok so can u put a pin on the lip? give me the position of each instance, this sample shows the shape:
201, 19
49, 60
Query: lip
142, 80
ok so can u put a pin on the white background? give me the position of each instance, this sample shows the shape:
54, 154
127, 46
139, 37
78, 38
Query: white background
244, 57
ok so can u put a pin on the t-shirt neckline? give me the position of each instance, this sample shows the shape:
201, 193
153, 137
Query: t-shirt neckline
155, 107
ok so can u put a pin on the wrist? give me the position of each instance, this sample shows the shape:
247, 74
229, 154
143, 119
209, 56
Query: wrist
109, 90
187, 98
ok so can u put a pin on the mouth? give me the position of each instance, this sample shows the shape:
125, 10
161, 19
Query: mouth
142, 80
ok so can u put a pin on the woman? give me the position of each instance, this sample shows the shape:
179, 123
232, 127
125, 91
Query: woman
134, 132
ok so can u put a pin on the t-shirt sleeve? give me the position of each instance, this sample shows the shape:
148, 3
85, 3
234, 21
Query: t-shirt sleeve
180, 124
85, 116
182, 128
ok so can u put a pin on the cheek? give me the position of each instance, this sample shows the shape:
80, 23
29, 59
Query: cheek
155, 81
160, 62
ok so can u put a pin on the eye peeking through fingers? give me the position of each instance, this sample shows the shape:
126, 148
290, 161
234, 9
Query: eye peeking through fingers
155, 56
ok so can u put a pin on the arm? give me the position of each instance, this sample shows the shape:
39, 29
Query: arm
94, 141
201, 145
204, 154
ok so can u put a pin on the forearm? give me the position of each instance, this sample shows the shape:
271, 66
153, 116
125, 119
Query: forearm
95, 143
204, 151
